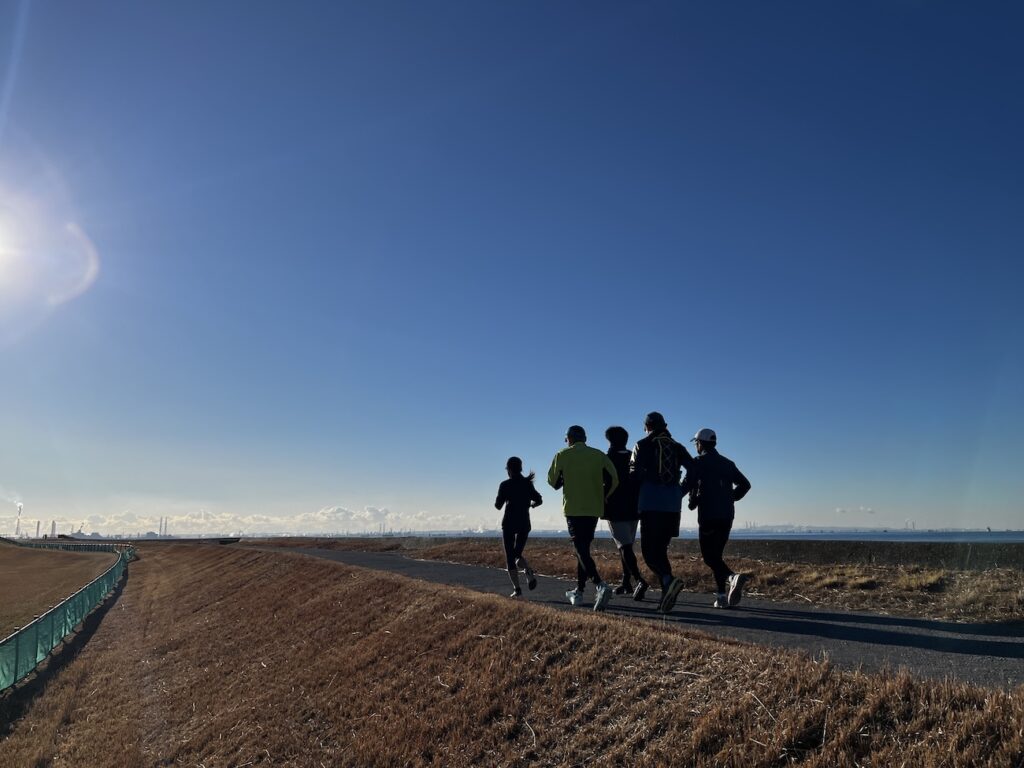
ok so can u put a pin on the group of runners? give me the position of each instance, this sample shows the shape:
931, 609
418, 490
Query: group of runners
644, 487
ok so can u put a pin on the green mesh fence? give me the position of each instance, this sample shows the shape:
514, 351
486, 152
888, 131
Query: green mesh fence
22, 651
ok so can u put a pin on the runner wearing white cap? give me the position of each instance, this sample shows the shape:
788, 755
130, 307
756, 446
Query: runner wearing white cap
715, 484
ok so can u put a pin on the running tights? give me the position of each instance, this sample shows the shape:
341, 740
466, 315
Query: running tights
713, 536
656, 532
514, 543
581, 531
629, 564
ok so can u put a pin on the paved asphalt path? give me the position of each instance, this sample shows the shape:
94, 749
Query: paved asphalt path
986, 654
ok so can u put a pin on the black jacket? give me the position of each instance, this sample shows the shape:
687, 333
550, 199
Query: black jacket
517, 493
621, 505
714, 484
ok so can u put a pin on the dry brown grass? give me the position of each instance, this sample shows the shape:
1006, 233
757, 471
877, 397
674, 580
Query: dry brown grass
228, 657
910, 590
32, 580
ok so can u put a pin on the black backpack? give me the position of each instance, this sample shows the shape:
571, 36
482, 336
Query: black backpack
668, 460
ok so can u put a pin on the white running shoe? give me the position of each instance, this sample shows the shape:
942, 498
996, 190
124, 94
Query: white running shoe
604, 596
736, 582
574, 596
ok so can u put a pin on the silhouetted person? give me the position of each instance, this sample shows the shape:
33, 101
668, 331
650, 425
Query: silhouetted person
620, 509
518, 496
579, 471
655, 467
715, 484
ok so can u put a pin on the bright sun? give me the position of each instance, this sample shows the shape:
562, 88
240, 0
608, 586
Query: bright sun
9, 261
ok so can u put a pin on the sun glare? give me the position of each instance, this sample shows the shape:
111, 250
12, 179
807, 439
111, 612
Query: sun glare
46, 258
8, 261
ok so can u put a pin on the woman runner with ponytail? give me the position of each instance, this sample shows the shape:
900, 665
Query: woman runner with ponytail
518, 496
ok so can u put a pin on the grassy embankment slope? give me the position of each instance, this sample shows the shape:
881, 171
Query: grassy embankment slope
921, 586
221, 656
32, 580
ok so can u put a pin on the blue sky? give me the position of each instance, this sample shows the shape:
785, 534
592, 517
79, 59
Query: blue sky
320, 266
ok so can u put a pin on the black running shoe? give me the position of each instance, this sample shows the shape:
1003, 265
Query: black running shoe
624, 589
531, 578
668, 600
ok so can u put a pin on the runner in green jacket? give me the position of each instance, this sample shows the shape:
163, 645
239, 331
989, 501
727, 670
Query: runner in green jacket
579, 471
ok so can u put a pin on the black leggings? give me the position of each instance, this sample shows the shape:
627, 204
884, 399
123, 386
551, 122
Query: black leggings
514, 543
656, 532
629, 564
581, 531
713, 537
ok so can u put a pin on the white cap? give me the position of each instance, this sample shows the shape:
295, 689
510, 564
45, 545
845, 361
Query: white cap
705, 436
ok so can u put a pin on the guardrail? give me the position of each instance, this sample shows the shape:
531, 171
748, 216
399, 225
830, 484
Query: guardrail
22, 651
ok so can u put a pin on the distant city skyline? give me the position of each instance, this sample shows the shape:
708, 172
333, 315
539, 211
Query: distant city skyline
909, 532
324, 267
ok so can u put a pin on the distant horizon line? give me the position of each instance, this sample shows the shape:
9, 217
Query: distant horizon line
480, 530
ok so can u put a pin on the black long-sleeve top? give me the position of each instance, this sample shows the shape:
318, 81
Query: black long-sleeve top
621, 505
516, 495
714, 484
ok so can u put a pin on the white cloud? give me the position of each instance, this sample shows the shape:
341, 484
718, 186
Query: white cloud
338, 519
855, 510
138, 514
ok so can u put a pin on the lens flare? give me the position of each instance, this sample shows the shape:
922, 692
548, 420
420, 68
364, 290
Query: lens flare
83, 272
46, 257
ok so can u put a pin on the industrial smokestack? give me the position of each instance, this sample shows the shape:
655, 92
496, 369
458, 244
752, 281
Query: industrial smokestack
38, 522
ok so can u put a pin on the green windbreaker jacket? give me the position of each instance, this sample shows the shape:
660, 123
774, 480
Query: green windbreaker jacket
579, 471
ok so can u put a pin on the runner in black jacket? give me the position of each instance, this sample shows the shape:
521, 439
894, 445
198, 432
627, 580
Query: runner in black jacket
518, 496
620, 509
715, 484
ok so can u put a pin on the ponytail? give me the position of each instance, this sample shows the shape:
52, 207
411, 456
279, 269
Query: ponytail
515, 464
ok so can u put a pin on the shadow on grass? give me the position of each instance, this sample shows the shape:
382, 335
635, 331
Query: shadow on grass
16, 700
